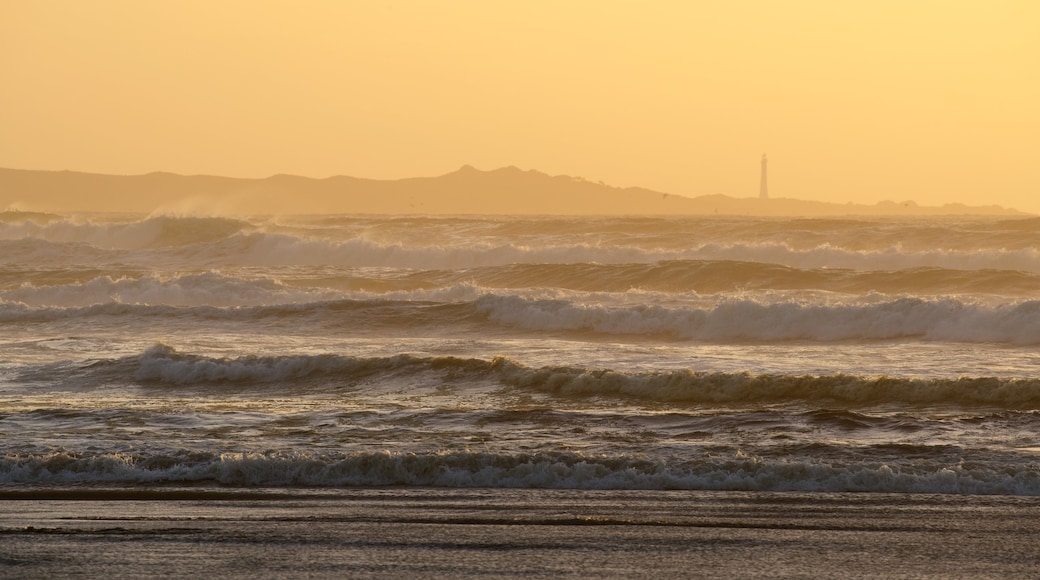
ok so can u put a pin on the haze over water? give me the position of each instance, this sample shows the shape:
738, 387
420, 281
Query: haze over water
887, 100
405, 377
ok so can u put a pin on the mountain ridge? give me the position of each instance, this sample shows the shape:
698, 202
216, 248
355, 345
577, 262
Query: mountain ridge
467, 190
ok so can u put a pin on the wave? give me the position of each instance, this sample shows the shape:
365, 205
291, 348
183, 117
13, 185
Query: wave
688, 386
192, 242
155, 243
467, 469
153, 232
749, 319
707, 276
163, 365
202, 289
14, 216
466, 309
657, 282
37, 253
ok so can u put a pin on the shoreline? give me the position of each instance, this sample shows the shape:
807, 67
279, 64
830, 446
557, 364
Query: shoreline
217, 492
444, 532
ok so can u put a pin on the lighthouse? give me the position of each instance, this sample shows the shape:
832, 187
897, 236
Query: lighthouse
763, 187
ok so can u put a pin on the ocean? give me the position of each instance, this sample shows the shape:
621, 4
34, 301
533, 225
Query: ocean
522, 357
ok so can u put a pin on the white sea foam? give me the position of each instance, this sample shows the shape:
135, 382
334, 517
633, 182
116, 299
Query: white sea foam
223, 241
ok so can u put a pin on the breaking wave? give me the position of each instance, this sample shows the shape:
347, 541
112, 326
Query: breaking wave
729, 276
752, 318
163, 365
749, 319
68, 287
462, 469
227, 242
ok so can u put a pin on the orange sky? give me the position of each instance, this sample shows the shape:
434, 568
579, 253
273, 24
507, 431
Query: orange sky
934, 101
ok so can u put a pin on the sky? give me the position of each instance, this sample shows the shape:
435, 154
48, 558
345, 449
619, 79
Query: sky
931, 101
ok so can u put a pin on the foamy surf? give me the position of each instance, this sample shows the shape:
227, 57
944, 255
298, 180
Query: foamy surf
600, 353
534, 470
771, 317
191, 242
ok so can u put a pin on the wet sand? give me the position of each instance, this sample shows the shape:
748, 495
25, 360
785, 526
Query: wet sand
502, 533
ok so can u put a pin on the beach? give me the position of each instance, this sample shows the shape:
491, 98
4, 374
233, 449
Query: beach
487, 533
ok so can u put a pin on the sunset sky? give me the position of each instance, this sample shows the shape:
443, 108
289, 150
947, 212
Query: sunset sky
934, 101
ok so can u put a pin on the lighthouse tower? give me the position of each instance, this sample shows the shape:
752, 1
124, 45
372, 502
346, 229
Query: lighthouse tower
763, 187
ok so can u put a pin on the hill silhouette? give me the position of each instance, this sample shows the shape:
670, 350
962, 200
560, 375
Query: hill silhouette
468, 190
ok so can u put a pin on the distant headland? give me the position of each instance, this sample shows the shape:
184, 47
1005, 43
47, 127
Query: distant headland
468, 190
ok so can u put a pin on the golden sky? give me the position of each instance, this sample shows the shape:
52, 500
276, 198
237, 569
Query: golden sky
854, 101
